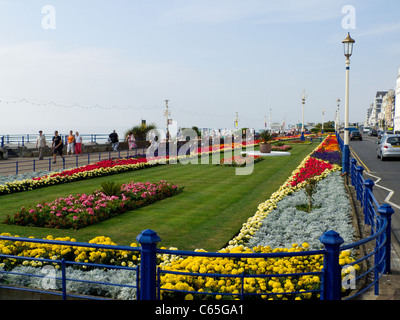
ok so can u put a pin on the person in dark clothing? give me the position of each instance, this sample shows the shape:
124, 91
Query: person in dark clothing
57, 146
113, 138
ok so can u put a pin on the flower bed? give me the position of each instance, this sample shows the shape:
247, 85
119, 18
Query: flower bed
329, 151
103, 168
288, 242
286, 224
311, 168
103, 164
308, 168
71, 253
218, 286
281, 148
83, 210
99, 169
240, 161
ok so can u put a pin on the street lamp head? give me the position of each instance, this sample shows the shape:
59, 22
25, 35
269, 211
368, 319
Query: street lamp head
348, 45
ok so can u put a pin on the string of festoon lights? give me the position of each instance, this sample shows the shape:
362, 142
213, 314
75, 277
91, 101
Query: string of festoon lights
117, 107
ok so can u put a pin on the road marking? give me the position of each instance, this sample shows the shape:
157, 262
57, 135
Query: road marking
391, 192
359, 160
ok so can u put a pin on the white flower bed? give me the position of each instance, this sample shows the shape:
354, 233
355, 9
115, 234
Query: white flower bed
286, 225
23, 176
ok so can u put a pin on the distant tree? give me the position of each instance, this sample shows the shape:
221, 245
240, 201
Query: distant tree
328, 126
141, 130
197, 131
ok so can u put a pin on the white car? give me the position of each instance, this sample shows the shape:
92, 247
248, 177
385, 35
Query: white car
388, 146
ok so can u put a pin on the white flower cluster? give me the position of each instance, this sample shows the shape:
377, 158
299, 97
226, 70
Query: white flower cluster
23, 176
83, 285
286, 225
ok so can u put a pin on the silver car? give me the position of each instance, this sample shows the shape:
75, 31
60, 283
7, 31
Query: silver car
388, 146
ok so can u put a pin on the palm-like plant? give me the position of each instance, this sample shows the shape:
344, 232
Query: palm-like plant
110, 188
265, 136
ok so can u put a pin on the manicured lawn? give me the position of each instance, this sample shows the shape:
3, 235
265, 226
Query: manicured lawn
207, 214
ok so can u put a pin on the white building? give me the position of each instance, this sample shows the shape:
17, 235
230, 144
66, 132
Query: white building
396, 119
375, 120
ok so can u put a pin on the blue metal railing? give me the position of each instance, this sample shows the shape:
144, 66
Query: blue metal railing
378, 217
21, 139
63, 263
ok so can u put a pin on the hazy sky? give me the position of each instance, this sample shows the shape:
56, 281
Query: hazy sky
109, 64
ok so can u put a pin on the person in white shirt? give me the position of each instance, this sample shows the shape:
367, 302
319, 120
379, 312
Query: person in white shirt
78, 143
41, 144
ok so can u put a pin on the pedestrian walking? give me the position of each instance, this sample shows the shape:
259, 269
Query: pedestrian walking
41, 144
78, 143
57, 146
113, 138
131, 141
71, 143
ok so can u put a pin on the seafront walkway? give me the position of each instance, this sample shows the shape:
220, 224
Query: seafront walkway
19, 165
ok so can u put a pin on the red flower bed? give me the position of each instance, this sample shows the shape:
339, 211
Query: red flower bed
312, 167
97, 165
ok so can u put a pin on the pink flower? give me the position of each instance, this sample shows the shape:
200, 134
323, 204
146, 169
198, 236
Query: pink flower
74, 217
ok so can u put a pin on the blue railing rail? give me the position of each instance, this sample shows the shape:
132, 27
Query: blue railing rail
21, 139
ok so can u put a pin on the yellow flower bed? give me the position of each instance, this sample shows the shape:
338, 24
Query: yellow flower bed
67, 252
271, 288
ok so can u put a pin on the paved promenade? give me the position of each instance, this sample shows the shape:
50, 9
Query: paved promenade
26, 164
389, 284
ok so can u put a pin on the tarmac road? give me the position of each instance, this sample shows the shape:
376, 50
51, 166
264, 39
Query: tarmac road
385, 174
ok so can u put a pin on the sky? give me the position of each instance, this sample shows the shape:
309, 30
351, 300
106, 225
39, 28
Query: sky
95, 66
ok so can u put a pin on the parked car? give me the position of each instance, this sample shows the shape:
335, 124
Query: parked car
373, 133
355, 135
381, 133
388, 146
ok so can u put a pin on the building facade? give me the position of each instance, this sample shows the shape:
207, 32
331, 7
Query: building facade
396, 118
376, 118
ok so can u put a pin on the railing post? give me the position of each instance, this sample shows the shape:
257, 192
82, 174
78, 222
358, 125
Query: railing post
332, 270
386, 212
148, 265
368, 190
353, 163
63, 280
358, 175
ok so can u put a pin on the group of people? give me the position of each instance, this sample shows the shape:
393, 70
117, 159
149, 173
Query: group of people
130, 139
74, 144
